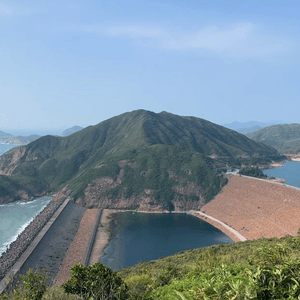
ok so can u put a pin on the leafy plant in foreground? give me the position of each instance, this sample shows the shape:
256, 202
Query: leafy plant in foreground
32, 287
96, 282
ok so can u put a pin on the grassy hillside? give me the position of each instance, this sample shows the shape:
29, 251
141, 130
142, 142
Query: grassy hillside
260, 269
285, 138
161, 152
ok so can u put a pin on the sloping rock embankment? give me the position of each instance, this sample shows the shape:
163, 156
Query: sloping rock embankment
10, 256
257, 208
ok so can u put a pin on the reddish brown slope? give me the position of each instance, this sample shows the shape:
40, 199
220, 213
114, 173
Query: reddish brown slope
257, 208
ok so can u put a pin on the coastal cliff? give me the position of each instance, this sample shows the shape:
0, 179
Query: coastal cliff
11, 160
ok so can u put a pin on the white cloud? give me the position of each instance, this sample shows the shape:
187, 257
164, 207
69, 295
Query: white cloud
239, 40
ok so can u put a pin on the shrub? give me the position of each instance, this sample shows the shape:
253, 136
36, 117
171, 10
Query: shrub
96, 282
32, 287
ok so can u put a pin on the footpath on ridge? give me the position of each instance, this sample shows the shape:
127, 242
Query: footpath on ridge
256, 208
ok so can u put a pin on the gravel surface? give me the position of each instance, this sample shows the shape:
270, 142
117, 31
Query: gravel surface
257, 208
51, 250
77, 248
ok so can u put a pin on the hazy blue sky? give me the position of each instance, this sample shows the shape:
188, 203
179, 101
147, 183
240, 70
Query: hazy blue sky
69, 62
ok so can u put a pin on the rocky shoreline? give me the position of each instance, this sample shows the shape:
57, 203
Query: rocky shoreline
16, 248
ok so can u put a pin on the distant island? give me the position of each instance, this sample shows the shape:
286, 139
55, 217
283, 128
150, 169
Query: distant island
71, 130
20, 140
247, 127
8, 138
5, 135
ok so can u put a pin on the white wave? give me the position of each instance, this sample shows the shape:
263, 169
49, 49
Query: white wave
23, 226
20, 230
45, 198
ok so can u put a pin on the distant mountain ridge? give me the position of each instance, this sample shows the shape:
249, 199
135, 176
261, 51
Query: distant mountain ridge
21, 140
247, 127
5, 134
285, 137
138, 159
71, 130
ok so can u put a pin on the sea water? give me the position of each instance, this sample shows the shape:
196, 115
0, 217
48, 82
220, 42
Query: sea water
14, 217
143, 237
6, 147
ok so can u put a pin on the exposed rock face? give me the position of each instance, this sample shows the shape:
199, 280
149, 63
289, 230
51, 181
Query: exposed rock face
20, 195
11, 160
95, 195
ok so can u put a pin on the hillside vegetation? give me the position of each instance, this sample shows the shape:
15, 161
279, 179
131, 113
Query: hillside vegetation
172, 160
285, 138
260, 269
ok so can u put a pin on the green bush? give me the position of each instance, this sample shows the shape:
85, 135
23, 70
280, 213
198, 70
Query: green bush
95, 282
253, 172
31, 287
57, 293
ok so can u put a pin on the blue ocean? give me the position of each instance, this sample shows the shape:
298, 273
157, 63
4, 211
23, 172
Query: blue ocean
14, 217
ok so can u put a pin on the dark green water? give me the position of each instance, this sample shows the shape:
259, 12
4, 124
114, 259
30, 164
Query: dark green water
290, 172
143, 237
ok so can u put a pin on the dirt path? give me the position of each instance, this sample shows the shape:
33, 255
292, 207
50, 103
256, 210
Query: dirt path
232, 233
77, 248
102, 236
257, 208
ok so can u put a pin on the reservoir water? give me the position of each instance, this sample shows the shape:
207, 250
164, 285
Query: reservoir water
290, 172
143, 237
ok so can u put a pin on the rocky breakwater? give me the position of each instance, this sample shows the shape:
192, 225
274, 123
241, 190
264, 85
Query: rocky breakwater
16, 248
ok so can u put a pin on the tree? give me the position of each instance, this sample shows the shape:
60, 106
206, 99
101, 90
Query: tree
32, 287
96, 282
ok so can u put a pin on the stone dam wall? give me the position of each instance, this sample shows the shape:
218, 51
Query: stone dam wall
16, 248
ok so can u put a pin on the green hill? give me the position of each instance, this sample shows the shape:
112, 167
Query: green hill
285, 138
261, 269
137, 158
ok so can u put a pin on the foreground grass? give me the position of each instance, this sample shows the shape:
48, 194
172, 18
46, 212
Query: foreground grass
261, 269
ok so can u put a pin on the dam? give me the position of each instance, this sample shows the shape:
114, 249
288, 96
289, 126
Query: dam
247, 208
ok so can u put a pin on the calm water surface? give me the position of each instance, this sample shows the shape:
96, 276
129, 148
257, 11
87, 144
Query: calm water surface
143, 237
290, 172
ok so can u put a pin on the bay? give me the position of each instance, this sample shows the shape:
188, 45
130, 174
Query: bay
143, 237
290, 172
